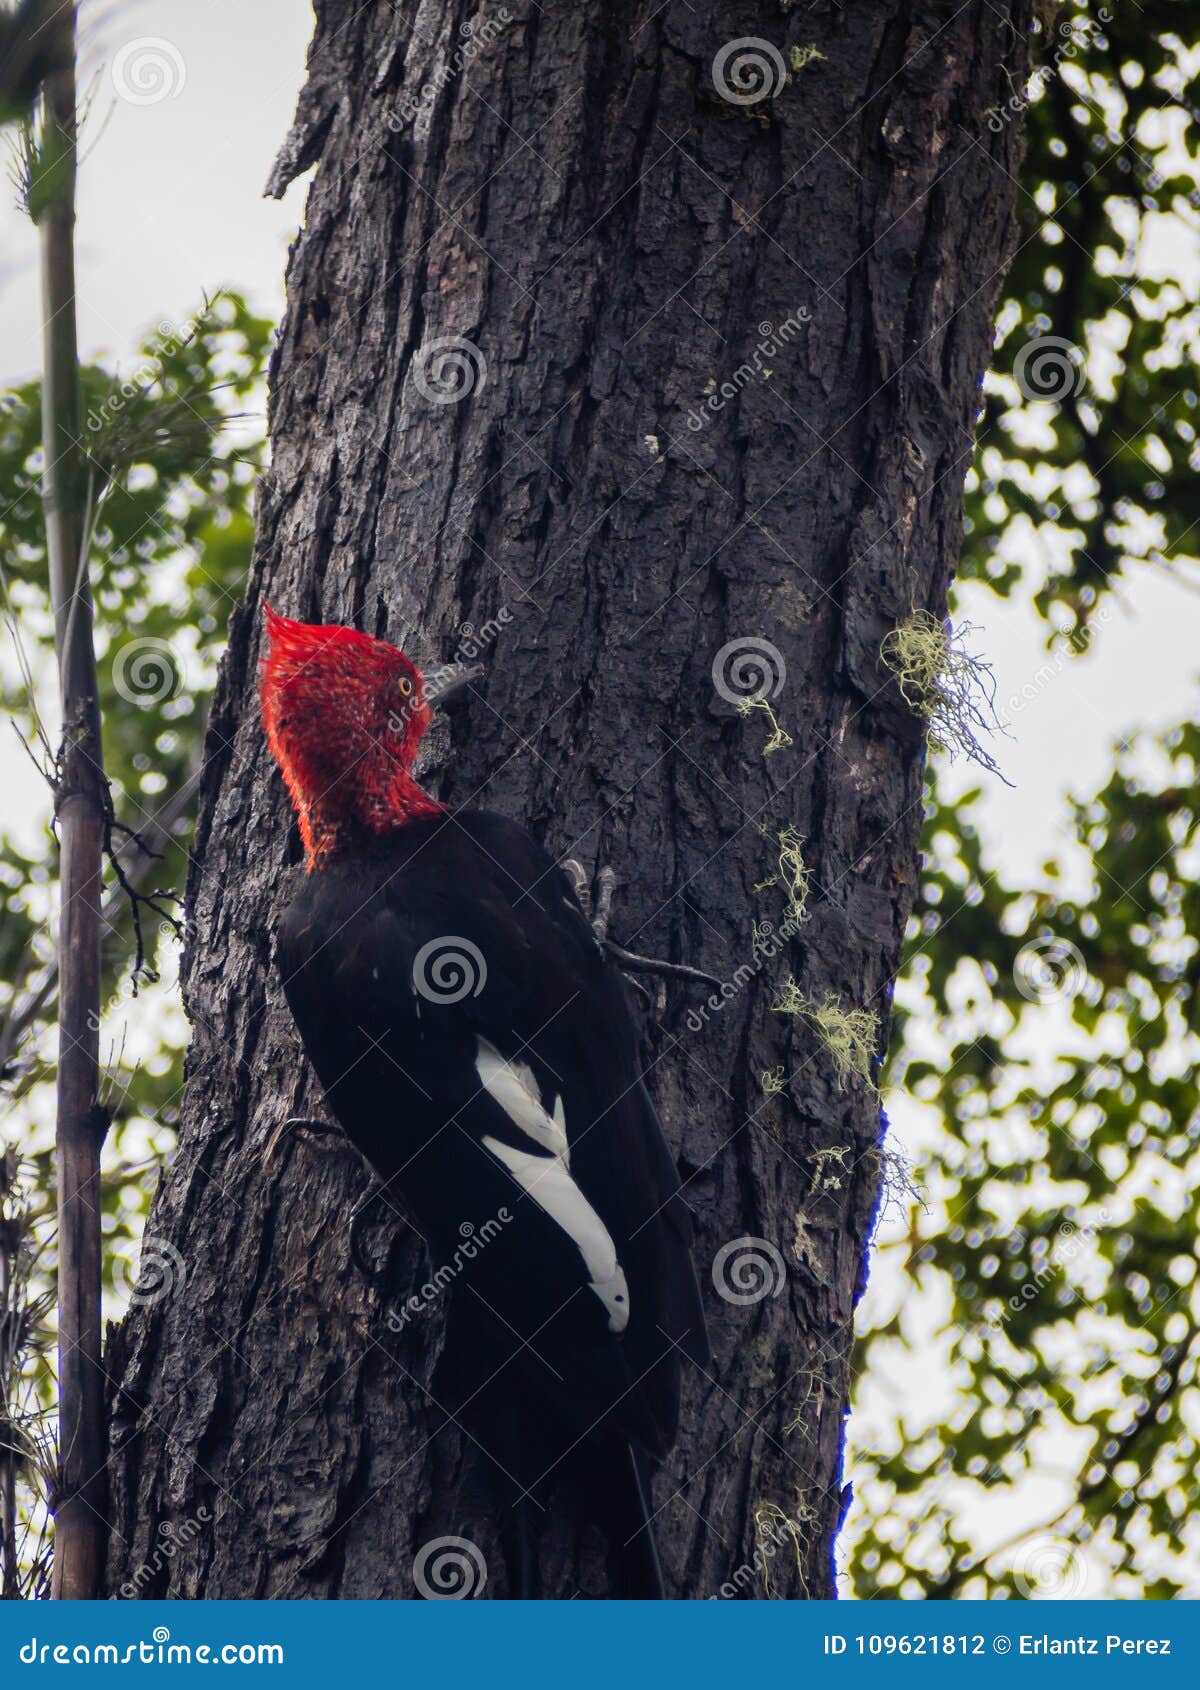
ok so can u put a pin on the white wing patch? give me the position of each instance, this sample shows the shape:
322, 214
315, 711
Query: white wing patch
516, 1091
552, 1189
547, 1176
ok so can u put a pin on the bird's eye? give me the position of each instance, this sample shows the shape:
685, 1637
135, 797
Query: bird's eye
405, 685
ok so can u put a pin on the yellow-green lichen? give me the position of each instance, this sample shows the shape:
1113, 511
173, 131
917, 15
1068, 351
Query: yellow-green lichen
774, 1527
779, 740
792, 874
949, 687
850, 1036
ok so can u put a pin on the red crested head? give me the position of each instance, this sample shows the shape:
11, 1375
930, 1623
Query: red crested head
344, 715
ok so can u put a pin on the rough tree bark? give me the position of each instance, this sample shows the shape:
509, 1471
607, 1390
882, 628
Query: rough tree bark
613, 237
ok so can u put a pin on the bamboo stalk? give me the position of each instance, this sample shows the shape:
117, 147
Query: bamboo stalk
81, 1502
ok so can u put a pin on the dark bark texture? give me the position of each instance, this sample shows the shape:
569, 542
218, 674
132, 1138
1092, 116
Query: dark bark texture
615, 238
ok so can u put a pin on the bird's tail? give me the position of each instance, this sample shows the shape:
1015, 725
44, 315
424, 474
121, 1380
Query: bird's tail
640, 1576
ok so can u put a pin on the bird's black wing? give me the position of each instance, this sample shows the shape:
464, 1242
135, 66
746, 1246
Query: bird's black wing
483, 1002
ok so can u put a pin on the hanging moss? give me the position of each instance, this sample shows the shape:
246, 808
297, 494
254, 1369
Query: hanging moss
950, 688
792, 874
774, 1526
779, 740
851, 1036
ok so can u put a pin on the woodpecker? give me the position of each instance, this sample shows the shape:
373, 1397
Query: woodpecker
476, 1044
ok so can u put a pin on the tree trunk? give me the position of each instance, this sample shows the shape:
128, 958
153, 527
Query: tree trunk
713, 371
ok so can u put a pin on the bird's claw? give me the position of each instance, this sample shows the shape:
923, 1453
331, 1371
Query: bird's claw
631, 962
599, 911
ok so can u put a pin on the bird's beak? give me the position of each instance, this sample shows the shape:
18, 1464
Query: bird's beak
445, 685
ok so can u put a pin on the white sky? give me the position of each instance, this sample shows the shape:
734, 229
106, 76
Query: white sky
171, 204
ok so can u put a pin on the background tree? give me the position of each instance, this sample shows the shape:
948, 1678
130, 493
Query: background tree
665, 341
172, 457
1050, 1023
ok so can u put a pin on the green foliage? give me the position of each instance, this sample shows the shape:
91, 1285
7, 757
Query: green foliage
1050, 1030
1060, 1251
1088, 449
173, 455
